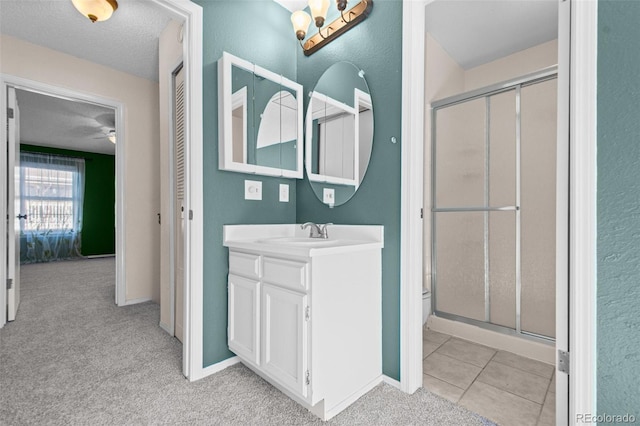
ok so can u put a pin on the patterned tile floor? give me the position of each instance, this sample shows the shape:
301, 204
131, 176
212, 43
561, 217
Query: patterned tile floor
506, 388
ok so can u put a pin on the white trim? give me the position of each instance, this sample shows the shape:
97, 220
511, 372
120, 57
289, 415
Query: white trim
64, 93
3, 204
191, 14
583, 225
411, 250
166, 328
391, 382
121, 276
563, 192
136, 301
100, 256
215, 368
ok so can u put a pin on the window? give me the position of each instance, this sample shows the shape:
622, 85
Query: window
48, 199
51, 195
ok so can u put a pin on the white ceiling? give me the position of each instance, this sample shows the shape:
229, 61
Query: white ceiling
127, 42
54, 122
474, 32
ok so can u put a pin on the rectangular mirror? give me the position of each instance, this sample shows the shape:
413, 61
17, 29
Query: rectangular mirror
260, 120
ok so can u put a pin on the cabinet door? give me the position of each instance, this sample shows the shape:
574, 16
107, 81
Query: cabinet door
244, 318
284, 337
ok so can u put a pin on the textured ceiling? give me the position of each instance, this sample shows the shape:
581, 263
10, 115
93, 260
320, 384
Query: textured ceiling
127, 42
474, 32
54, 122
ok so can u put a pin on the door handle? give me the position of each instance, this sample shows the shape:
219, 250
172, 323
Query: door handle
22, 216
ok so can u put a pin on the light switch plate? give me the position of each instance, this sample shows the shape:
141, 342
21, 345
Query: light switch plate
252, 190
284, 193
328, 196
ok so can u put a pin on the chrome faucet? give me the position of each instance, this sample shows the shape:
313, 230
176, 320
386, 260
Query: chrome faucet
315, 230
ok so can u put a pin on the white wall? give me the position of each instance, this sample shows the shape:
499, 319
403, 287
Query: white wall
444, 78
170, 50
520, 63
141, 177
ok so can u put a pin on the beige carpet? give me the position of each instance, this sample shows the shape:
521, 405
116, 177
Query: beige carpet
73, 358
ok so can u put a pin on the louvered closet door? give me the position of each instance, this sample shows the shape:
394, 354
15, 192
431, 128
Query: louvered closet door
179, 202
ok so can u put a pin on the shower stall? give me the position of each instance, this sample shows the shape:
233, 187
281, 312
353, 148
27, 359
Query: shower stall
494, 206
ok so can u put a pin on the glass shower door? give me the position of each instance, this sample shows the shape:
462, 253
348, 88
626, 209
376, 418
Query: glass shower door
493, 261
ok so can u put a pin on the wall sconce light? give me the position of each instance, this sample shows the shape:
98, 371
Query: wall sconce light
96, 10
319, 8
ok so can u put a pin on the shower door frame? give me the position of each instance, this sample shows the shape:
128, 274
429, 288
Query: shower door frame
545, 74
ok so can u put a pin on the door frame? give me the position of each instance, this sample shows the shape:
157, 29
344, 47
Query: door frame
191, 14
581, 17
20, 83
192, 348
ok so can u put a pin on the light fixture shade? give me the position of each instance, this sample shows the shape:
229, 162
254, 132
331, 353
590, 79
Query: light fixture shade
112, 136
96, 10
319, 8
300, 20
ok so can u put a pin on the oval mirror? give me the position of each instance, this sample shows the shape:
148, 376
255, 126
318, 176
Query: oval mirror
339, 133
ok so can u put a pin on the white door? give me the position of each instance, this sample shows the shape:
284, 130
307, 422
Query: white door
284, 337
244, 318
179, 203
14, 215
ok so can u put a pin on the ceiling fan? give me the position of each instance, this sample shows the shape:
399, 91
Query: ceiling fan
111, 135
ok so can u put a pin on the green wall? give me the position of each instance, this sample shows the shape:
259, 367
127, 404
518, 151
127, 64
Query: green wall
618, 318
260, 32
98, 229
376, 47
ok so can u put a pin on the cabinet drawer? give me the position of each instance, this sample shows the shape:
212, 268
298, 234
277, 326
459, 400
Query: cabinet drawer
286, 273
246, 265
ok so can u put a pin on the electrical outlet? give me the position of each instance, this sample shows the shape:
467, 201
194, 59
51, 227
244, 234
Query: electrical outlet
328, 196
284, 193
252, 190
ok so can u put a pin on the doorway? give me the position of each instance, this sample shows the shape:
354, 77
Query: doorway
47, 215
576, 127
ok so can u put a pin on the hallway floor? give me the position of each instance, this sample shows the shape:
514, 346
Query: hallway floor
501, 386
72, 357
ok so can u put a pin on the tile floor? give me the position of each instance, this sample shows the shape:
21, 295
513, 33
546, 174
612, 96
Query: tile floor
503, 387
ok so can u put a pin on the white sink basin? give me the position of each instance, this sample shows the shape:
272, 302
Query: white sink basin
299, 241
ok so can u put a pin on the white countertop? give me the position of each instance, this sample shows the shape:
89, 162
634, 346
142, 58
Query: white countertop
291, 240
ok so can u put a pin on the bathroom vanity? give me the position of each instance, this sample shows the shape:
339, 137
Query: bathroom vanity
305, 313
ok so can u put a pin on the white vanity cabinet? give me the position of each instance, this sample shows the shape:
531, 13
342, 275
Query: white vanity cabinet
308, 320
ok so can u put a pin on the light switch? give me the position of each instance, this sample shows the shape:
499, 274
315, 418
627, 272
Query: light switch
284, 193
328, 196
252, 190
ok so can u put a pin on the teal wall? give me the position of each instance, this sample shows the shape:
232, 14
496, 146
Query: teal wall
260, 32
376, 47
98, 227
618, 317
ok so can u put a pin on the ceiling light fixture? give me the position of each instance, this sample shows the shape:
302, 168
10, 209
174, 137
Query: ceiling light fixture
112, 136
96, 10
319, 9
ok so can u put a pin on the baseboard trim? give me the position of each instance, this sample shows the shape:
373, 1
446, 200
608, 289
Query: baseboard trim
214, 368
166, 328
100, 256
136, 301
391, 382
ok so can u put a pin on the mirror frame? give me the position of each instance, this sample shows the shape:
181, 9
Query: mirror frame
360, 98
225, 126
